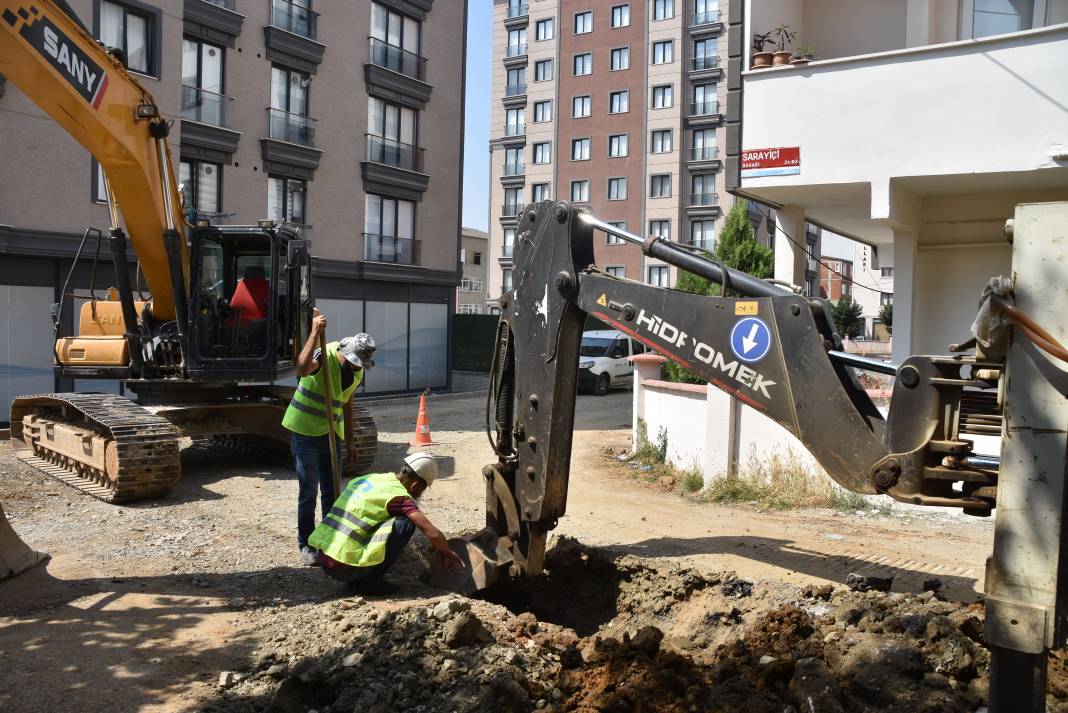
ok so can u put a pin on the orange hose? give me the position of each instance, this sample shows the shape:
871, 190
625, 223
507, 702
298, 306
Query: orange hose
1031, 329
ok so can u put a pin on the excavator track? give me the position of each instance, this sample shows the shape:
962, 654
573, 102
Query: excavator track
365, 436
102, 444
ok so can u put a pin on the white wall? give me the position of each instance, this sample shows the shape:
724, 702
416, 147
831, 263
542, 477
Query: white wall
683, 414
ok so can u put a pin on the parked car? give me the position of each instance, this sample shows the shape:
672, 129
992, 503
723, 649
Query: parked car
604, 362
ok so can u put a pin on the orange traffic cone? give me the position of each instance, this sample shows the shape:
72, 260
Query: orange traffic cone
422, 425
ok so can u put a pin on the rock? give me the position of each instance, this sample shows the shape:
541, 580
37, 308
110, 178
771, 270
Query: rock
441, 611
667, 481
739, 588
570, 657
541, 703
766, 660
935, 680
868, 583
647, 640
449, 667
352, 660
814, 684
227, 679
278, 671
932, 584
466, 630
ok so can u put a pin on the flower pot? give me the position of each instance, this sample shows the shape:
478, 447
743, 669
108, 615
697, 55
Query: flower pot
780, 58
798, 61
761, 60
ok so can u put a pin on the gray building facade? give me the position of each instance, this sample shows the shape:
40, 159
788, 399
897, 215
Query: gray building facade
344, 117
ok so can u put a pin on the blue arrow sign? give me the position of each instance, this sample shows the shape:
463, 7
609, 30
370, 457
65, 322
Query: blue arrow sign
750, 339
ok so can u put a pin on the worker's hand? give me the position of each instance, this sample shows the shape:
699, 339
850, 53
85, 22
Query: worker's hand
319, 324
452, 561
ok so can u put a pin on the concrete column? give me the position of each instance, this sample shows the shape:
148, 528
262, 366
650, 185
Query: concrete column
904, 289
646, 368
918, 23
790, 255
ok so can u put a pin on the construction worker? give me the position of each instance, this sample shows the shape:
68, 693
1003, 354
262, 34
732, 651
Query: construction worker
370, 524
306, 418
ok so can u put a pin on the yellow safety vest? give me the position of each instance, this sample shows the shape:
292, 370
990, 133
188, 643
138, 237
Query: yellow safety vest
306, 414
355, 530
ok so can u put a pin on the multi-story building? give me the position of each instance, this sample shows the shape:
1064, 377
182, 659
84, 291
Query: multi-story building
868, 283
343, 117
615, 104
471, 297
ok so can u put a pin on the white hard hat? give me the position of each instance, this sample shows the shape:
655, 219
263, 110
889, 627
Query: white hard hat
423, 465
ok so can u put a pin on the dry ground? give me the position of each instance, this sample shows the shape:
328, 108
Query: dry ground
143, 606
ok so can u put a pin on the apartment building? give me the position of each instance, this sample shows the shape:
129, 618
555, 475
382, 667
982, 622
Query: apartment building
612, 104
341, 117
474, 257
870, 283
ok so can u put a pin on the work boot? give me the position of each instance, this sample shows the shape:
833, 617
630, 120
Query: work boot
309, 557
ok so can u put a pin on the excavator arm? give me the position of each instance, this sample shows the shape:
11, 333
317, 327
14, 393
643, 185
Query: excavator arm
773, 349
56, 62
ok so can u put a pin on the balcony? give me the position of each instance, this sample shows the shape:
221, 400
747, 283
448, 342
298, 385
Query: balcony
228, 4
511, 210
704, 153
704, 199
294, 128
706, 244
513, 169
702, 19
703, 64
515, 129
506, 250
396, 59
517, 10
214, 21
205, 107
705, 108
391, 249
517, 50
470, 284
293, 17
515, 90
384, 150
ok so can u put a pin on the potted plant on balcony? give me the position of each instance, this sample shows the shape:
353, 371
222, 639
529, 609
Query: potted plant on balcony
783, 37
761, 59
804, 55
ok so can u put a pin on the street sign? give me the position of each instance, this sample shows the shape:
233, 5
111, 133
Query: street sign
782, 161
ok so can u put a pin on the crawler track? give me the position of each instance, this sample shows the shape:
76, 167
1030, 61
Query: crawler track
145, 463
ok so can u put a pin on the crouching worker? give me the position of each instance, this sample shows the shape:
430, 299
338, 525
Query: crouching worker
370, 524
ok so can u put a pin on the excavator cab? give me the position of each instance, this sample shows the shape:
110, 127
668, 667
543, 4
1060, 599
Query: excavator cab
250, 302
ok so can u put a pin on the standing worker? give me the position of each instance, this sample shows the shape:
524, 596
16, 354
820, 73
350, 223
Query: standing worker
306, 418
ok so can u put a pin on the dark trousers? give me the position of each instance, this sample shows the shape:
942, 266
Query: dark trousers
403, 529
312, 457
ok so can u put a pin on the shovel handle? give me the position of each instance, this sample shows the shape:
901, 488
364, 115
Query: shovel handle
331, 435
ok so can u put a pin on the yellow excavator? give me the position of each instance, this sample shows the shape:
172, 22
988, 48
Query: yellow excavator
228, 311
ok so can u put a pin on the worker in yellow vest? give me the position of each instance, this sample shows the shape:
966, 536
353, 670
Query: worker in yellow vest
306, 417
370, 524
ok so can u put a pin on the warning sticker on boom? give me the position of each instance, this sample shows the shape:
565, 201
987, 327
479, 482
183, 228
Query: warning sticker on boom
745, 308
602, 300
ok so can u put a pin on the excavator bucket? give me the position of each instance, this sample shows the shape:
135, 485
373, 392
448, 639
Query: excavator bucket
15, 556
486, 556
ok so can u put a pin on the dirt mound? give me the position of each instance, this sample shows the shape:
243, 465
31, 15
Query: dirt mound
616, 633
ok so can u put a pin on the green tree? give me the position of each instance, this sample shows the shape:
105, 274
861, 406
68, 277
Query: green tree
848, 321
737, 247
886, 314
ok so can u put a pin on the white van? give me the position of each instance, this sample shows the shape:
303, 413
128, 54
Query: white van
604, 362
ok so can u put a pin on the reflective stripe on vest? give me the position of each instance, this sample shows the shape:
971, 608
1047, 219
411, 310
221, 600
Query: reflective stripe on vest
355, 530
306, 414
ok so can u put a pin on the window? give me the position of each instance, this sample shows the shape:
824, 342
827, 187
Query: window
616, 270
389, 27
469, 309
617, 189
619, 102
286, 198
663, 52
621, 16
476, 259
611, 239
200, 185
202, 82
886, 298
514, 122
516, 82
660, 229
663, 9
660, 141
542, 153
704, 100
100, 186
582, 64
540, 192
391, 130
508, 246
135, 32
886, 272
289, 106
543, 111
543, 70
580, 106
513, 161
704, 145
658, 275
985, 18
389, 230
513, 202
663, 96
701, 234
703, 189
660, 186
506, 279
620, 59
517, 42
704, 54
580, 149
617, 145
580, 191
583, 22
705, 12
543, 29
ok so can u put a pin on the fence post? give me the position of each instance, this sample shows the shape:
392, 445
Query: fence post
646, 368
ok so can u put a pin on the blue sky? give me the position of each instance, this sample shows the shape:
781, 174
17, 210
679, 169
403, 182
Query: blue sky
477, 114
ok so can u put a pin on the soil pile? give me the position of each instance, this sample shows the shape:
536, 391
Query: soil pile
606, 633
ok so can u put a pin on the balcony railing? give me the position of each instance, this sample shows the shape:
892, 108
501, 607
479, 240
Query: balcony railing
704, 18
506, 250
515, 129
704, 153
705, 108
703, 244
294, 17
391, 152
399, 60
517, 10
228, 4
513, 169
517, 50
469, 284
390, 248
700, 63
511, 210
515, 90
703, 199
294, 128
205, 107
